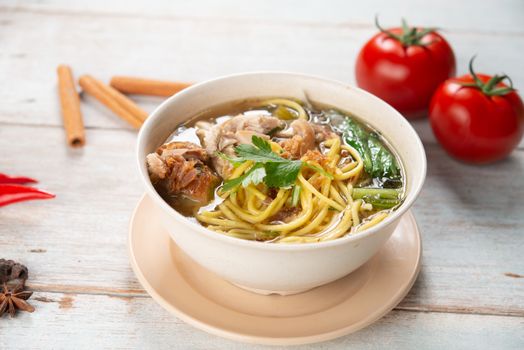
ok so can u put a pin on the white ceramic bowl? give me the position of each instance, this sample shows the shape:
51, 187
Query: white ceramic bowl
281, 268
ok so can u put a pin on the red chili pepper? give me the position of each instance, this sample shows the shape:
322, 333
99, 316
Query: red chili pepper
6, 179
10, 193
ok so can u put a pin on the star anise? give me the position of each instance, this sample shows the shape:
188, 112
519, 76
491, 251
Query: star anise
12, 273
14, 298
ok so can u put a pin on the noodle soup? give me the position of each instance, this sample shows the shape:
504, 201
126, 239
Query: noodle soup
278, 170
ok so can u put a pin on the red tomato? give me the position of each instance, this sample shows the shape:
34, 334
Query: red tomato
475, 123
404, 66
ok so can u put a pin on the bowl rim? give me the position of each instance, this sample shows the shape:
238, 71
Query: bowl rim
395, 215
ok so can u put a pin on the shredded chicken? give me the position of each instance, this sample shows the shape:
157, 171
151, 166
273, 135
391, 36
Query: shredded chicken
300, 137
319, 158
186, 149
237, 130
316, 157
323, 133
179, 167
303, 136
293, 148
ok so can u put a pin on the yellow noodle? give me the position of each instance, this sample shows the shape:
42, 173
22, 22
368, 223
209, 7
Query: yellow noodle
334, 145
339, 175
318, 194
300, 220
314, 177
375, 220
342, 187
251, 206
228, 213
251, 234
317, 174
232, 198
275, 147
288, 103
348, 167
212, 214
350, 189
329, 142
313, 224
334, 161
326, 185
252, 189
336, 195
333, 219
342, 227
241, 196
223, 222
249, 201
366, 207
271, 209
216, 228
354, 211
240, 170
328, 210
242, 231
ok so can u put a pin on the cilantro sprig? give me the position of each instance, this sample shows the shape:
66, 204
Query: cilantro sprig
269, 167
255, 175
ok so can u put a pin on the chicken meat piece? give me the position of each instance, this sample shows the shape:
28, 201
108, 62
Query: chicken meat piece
319, 158
300, 138
186, 149
323, 133
303, 136
237, 130
180, 169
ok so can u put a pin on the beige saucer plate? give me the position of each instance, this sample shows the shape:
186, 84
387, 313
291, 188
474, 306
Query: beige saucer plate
207, 302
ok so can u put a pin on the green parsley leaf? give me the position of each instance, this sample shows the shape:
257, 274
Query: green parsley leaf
285, 113
260, 152
233, 160
254, 175
281, 175
272, 169
261, 143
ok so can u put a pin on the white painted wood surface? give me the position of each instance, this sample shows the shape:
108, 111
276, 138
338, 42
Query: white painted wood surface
82, 321
470, 217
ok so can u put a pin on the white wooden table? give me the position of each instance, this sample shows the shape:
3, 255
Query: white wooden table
470, 293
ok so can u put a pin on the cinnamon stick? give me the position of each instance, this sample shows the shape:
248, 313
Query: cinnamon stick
141, 86
112, 99
70, 103
123, 100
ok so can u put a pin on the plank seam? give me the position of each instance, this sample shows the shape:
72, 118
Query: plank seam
288, 23
138, 293
487, 311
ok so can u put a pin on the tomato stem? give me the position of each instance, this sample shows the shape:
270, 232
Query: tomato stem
411, 36
489, 88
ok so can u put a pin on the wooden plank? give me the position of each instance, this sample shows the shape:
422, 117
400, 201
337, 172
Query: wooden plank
468, 15
108, 322
470, 219
83, 231
160, 48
